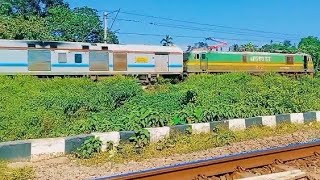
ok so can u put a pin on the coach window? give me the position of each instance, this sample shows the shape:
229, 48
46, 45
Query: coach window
85, 47
197, 56
62, 57
78, 58
31, 46
53, 46
203, 56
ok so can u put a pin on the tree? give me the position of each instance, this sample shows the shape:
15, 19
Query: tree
201, 45
311, 46
5, 8
167, 41
50, 20
32, 7
235, 48
80, 24
31, 27
248, 47
285, 47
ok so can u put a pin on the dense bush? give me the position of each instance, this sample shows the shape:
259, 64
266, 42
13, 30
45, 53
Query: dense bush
33, 108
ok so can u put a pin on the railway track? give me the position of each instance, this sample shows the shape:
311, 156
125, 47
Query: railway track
264, 164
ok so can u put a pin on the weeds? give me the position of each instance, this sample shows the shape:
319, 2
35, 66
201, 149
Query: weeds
187, 143
7, 173
89, 148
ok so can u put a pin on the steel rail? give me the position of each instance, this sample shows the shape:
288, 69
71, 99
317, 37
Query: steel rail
226, 164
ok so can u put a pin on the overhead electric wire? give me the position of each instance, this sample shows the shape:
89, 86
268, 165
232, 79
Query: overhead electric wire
182, 36
115, 18
206, 24
198, 29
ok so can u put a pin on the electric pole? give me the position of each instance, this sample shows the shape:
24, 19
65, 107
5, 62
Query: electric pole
105, 17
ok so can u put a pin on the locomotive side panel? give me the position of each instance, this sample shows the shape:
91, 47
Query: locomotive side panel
221, 62
192, 63
244, 62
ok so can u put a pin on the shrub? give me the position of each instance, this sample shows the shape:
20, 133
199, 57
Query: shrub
89, 148
39, 108
140, 139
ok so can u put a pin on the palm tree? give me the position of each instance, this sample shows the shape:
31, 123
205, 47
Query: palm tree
167, 41
235, 48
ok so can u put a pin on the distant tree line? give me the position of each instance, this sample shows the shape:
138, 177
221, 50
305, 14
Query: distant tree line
50, 20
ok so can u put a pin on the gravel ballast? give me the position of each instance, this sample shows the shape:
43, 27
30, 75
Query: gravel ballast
64, 168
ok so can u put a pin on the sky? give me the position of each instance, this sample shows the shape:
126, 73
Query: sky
226, 20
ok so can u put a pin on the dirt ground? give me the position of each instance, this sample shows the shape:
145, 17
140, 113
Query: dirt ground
63, 168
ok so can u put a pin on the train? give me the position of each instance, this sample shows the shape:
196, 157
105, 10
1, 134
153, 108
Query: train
147, 62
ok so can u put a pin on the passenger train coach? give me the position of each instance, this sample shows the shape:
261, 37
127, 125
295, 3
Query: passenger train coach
144, 61
74, 58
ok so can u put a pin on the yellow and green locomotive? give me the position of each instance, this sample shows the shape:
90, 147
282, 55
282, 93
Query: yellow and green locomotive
254, 62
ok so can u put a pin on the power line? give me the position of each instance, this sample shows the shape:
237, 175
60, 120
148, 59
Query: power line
196, 29
115, 18
182, 36
205, 24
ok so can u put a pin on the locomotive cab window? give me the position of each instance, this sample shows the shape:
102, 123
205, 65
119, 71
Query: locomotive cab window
62, 57
78, 58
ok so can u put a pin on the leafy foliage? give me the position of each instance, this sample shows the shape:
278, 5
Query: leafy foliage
285, 47
167, 41
224, 137
89, 148
140, 139
311, 45
35, 108
50, 20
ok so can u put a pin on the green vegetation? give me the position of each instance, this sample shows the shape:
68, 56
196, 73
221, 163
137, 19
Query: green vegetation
183, 144
34, 108
311, 45
39, 108
89, 148
7, 173
50, 20
140, 139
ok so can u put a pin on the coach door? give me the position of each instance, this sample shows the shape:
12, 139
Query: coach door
39, 60
162, 62
203, 62
120, 62
305, 62
99, 61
